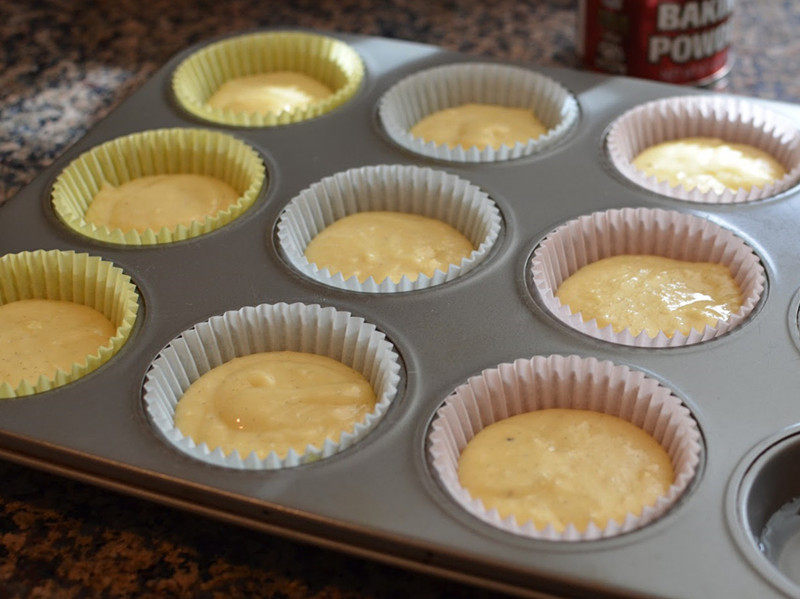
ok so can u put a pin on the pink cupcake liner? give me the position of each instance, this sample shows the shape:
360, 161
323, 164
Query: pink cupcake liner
732, 119
572, 382
658, 232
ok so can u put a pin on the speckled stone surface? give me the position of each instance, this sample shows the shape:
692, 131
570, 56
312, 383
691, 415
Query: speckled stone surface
67, 64
63, 66
60, 538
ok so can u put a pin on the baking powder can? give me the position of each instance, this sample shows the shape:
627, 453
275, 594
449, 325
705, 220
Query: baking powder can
683, 41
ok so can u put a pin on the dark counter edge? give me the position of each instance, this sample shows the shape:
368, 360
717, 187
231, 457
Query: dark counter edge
291, 524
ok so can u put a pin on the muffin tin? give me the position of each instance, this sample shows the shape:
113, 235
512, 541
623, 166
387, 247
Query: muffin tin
379, 497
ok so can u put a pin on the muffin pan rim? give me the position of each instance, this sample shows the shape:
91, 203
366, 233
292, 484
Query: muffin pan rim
793, 318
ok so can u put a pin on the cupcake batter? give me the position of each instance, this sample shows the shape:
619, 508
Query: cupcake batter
38, 337
159, 201
652, 293
562, 466
479, 125
710, 164
269, 92
274, 401
387, 244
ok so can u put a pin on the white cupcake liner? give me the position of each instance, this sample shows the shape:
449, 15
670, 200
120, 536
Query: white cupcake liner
396, 188
269, 327
658, 232
731, 119
429, 91
544, 382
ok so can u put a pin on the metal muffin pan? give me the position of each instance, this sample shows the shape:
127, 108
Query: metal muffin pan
378, 498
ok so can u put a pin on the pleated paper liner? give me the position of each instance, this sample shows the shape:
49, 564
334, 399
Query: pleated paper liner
70, 277
730, 119
270, 327
325, 59
658, 232
411, 189
158, 152
571, 382
432, 90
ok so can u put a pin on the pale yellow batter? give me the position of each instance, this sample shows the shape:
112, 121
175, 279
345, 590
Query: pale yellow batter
709, 164
652, 293
387, 244
269, 92
274, 401
479, 125
159, 201
563, 466
40, 336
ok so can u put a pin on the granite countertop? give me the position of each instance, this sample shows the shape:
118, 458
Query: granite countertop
64, 65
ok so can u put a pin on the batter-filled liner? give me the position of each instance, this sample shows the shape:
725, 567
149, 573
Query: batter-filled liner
70, 277
731, 119
158, 152
330, 61
658, 232
432, 90
570, 382
270, 327
396, 188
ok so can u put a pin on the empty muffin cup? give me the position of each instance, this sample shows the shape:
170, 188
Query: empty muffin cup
440, 88
733, 120
158, 152
69, 277
643, 231
547, 382
269, 328
326, 60
396, 188
764, 503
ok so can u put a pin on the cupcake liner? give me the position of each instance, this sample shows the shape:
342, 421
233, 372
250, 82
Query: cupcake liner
731, 119
429, 91
396, 188
158, 152
658, 232
269, 327
70, 277
572, 382
325, 59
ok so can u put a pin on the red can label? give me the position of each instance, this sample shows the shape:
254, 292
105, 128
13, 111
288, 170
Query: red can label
678, 42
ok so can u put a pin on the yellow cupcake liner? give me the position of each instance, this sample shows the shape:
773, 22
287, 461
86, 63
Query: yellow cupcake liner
72, 277
158, 152
326, 59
